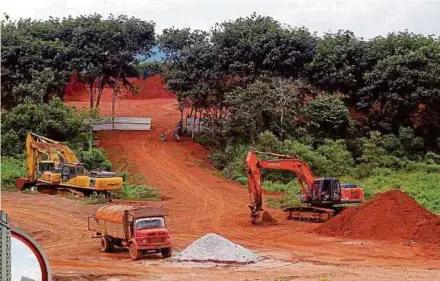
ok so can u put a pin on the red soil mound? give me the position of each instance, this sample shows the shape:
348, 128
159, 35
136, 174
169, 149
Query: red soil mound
150, 88
392, 215
75, 90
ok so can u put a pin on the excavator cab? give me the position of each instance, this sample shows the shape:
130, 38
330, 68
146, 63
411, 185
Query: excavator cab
329, 191
324, 191
45, 166
71, 170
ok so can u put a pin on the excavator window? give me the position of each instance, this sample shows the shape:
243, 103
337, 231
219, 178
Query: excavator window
46, 166
315, 190
79, 171
336, 190
68, 172
326, 189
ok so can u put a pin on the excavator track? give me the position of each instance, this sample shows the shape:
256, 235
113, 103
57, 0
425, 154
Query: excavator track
309, 213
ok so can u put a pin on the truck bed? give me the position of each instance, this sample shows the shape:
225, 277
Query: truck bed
103, 227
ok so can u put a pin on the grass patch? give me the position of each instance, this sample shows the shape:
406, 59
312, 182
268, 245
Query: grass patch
135, 192
135, 189
423, 187
242, 180
281, 187
11, 169
291, 197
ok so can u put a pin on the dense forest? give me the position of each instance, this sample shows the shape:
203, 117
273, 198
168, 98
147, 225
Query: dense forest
364, 110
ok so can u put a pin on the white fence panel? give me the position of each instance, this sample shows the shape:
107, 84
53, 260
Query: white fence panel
124, 124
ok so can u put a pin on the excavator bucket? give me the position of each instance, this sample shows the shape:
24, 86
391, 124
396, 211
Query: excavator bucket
264, 219
22, 183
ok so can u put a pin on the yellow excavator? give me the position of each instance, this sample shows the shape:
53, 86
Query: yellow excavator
52, 167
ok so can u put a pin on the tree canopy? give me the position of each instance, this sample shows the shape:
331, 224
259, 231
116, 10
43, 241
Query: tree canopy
379, 84
39, 57
242, 77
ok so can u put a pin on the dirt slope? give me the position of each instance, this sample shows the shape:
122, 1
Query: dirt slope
391, 216
150, 88
200, 200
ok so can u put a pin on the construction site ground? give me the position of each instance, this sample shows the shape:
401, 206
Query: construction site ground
199, 201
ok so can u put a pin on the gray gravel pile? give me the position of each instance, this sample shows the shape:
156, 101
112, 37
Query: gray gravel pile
216, 248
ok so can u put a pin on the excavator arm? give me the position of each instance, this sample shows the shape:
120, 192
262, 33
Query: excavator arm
36, 146
284, 162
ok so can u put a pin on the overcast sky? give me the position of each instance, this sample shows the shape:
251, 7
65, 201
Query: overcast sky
367, 19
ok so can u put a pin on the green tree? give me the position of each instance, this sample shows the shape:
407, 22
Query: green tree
35, 67
38, 57
191, 68
340, 63
105, 50
266, 104
255, 45
327, 117
398, 85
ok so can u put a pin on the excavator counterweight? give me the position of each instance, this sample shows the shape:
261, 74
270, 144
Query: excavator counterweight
319, 195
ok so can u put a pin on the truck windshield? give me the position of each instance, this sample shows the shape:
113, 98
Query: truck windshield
150, 223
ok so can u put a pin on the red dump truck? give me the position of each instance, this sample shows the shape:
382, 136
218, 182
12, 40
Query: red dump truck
141, 229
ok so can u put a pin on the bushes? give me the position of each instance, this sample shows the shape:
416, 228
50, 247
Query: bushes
327, 117
94, 199
138, 193
339, 159
94, 159
135, 189
236, 167
11, 169
54, 120
422, 167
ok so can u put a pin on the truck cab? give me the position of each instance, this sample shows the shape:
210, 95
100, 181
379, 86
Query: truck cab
149, 235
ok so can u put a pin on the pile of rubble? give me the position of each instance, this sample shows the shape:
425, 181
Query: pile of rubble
215, 248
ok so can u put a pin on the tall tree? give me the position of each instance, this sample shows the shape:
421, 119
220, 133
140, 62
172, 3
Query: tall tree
34, 66
255, 45
340, 63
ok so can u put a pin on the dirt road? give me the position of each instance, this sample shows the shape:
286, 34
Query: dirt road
200, 200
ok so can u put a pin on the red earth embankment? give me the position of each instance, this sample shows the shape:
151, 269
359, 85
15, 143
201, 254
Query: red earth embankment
392, 216
150, 88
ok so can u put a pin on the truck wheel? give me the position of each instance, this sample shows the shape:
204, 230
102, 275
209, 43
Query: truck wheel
134, 253
106, 244
166, 252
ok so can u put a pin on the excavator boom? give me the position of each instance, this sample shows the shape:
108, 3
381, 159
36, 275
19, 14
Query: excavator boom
285, 162
37, 145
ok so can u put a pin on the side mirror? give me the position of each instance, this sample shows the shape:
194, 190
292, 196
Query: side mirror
28, 262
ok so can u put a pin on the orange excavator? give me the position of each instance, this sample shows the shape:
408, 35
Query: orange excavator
320, 196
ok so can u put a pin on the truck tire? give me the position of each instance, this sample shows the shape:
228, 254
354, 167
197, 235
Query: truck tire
166, 252
106, 244
134, 252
